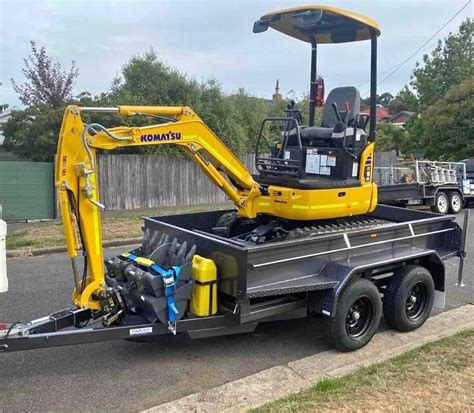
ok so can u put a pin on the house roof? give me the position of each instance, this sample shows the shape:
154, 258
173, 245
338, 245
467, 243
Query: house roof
401, 113
380, 113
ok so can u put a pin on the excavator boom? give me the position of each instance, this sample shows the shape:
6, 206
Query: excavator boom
77, 180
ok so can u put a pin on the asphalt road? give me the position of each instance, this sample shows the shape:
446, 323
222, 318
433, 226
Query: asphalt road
131, 376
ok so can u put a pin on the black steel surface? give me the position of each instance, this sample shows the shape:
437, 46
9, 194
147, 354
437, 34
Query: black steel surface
322, 261
97, 334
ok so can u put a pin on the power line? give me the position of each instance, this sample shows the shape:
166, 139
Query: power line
396, 68
430, 46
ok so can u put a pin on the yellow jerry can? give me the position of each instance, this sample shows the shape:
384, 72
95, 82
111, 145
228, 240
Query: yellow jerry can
204, 296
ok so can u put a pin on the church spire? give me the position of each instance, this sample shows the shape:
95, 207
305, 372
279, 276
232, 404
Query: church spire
277, 95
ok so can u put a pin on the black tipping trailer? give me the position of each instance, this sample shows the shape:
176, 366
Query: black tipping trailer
348, 271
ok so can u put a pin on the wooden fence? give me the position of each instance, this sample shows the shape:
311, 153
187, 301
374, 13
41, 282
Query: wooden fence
150, 181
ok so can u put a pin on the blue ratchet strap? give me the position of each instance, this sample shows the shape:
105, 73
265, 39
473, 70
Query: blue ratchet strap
170, 279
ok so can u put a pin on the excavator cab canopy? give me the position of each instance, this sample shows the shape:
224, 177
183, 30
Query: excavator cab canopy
322, 24
326, 25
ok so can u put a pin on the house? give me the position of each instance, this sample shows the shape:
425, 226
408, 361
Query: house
381, 114
4, 116
400, 118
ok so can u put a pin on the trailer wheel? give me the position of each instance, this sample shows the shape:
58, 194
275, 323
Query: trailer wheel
357, 318
441, 205
455, 202
408, 299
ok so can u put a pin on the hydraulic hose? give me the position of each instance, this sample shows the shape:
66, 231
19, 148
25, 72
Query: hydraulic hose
94, 127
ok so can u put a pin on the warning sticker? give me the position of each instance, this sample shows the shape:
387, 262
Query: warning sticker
331, 160
141, 331
325, 170
313, 161
324, 160
355, 169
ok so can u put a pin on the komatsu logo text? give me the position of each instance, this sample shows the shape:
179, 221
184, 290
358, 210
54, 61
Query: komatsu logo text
170, 136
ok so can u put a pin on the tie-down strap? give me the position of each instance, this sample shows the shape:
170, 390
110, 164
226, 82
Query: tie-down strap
170, 279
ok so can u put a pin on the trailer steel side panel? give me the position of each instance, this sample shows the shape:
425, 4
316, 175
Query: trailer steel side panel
322, 262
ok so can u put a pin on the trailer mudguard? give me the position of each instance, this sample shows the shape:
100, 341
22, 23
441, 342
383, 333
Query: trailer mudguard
323, 302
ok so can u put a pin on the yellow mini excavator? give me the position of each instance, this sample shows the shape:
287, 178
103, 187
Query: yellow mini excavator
312, 173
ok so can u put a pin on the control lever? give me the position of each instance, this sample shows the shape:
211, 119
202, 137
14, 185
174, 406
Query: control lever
336, 111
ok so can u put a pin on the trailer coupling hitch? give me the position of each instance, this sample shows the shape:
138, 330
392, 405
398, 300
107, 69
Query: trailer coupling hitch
12, 330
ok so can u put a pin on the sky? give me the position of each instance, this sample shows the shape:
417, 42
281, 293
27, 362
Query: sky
212, 38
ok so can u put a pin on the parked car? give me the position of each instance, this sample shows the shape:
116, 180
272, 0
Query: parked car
470, 175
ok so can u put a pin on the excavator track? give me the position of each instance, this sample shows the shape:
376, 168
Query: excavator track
270, 229
340, 225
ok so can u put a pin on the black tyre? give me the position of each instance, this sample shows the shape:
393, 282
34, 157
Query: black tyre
357, 318
441, 205
408, 299
455, 202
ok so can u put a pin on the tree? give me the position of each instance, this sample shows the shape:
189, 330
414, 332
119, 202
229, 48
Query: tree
390, 137
408, 98
396, 106
33, 133
448, 125
46, 83
146, 80
385, 98
248, 112
449, 64
413, 142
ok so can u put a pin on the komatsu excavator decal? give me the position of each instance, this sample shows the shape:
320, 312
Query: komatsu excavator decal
170, 136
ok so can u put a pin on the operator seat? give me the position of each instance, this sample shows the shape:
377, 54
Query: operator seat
322, 135
337, 139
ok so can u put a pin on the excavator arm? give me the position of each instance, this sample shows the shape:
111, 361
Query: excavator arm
77, 180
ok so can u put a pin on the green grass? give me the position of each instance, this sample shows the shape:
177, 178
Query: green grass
435, 364
125, 224
18, 240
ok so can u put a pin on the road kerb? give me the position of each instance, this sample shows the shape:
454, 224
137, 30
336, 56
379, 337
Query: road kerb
280, 381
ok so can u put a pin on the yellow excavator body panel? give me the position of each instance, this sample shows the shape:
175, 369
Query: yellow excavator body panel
311, 204
306, 205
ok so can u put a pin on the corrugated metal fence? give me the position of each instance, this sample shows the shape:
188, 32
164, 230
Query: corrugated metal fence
148, 181
27, 190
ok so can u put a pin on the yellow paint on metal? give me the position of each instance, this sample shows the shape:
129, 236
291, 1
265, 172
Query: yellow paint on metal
328, 206
144, 261
284, 21
300, 206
